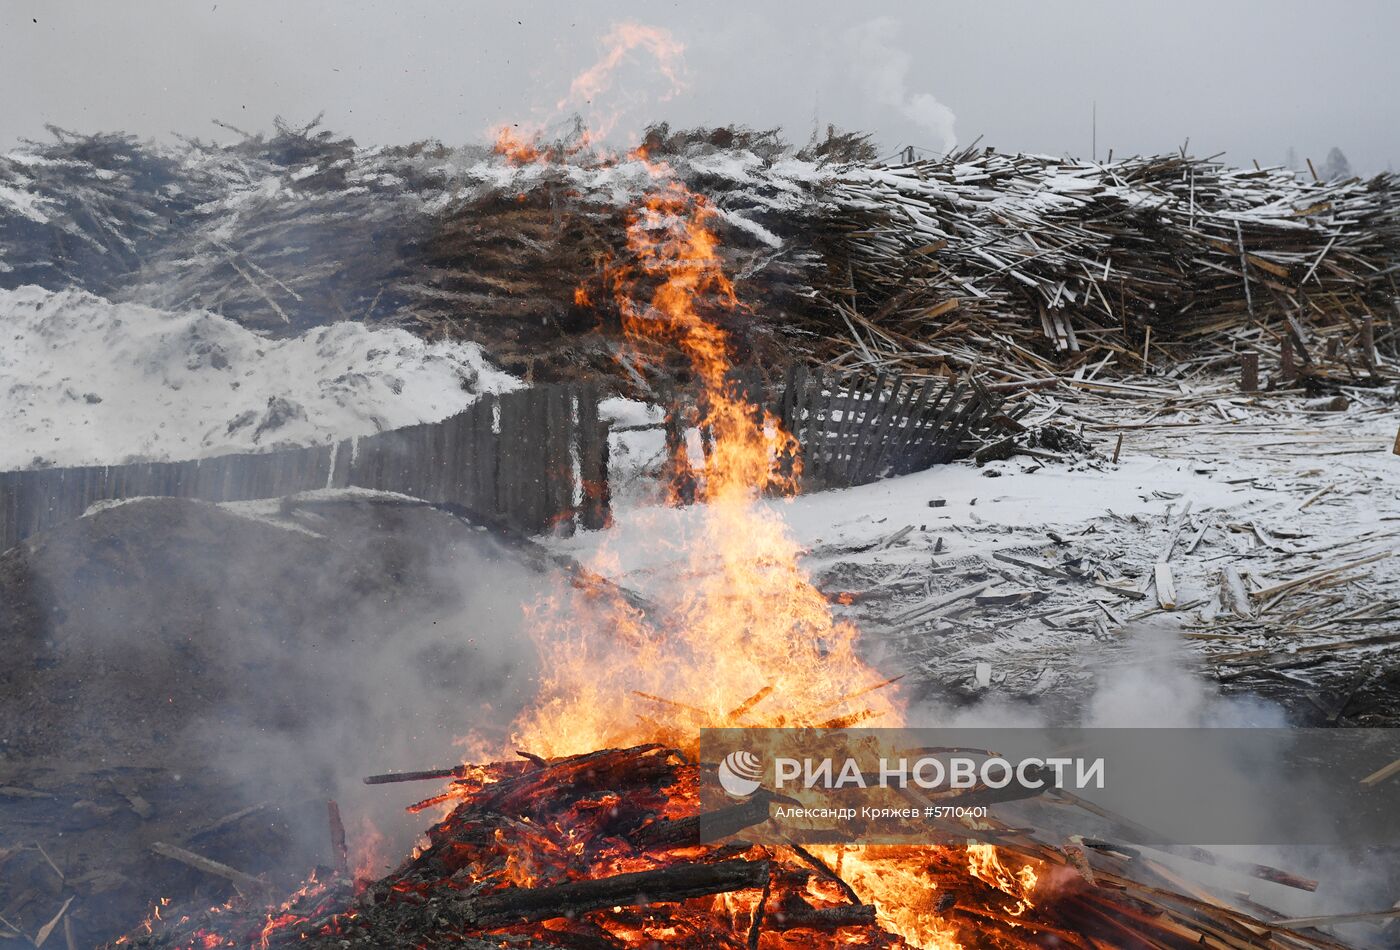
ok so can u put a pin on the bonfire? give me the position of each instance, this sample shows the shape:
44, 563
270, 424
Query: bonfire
586, 832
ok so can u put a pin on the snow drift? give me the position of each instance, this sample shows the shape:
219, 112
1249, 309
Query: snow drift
87, 381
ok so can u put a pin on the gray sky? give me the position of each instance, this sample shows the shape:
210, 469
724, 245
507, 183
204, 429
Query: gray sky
1249, 77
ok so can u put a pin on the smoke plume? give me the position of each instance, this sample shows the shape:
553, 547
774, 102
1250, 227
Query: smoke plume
882, 69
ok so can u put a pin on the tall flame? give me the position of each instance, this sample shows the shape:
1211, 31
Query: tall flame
620, 40
750, 640
747, 640
516, 147
522, 143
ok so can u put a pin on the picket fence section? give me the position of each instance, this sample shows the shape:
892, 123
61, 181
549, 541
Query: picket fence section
849, 428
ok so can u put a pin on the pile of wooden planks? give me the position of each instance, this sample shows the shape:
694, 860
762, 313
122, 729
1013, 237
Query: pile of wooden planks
1032, 264
1036, 262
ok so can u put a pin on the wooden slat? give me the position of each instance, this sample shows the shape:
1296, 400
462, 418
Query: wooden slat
888, 427
899, 446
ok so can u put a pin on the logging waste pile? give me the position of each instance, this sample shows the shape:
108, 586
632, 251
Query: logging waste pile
604, 850
1021, 265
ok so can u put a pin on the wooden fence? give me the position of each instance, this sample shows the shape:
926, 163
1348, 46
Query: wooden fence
855, 429
851, 429
531, 460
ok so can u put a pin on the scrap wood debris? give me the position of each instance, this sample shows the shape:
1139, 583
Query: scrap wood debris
1285, 567
1107, 297
604, 850
302, 228
1038, 265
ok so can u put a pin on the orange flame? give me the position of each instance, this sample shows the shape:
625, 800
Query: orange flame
515, 148
622, 39
985, 864
592, 123
751, 621
750, 641
369, 853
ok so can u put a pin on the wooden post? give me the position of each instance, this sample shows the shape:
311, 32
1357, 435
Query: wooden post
560, 473
339, 852
487, 457
592, 436
1368, 342
510, 473
1287, 363
1249, 372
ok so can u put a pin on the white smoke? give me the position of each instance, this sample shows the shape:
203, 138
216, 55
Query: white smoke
882, 69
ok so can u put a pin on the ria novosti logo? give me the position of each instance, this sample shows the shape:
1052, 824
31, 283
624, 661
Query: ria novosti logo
740, 774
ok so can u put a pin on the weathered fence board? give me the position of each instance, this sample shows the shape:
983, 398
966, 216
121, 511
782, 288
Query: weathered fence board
532, 460
596, 501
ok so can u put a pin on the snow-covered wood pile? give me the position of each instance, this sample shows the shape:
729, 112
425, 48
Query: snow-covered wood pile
302, 229
982, 256
1032, 264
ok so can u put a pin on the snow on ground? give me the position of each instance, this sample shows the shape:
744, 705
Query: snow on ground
973, 503
1237, 490
87, 381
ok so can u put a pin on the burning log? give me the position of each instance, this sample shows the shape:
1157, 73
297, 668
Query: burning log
426, 775
603, 851
825, 918
825, 871
756, 928
721, 823
338, 846
667, 885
